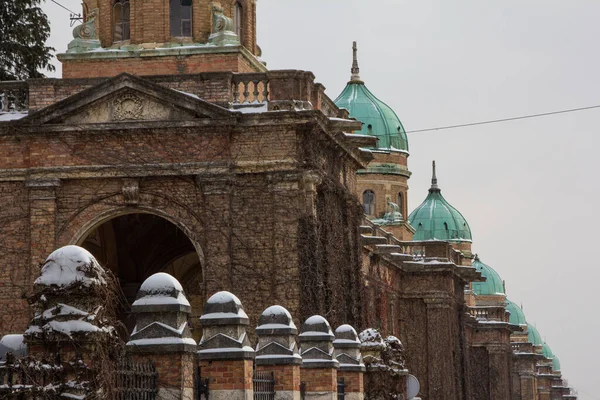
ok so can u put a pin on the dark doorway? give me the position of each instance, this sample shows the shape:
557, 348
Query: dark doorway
135, 246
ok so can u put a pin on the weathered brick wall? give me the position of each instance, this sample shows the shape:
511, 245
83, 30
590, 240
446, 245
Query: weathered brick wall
163, 65
16, 274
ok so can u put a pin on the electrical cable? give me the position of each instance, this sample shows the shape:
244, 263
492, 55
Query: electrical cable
494, 121
60, 5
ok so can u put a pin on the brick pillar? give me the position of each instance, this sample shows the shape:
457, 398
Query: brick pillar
225, 354
347, 351
440, 345
500, 380
162, 336
42, 215
277, 352
319, 367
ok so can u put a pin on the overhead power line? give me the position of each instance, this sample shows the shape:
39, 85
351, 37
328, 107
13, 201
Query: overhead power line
60, 5
495, 121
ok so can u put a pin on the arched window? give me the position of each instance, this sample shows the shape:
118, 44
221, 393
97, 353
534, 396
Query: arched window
181, 18
369, 202
238, 20
400, 201
121, 20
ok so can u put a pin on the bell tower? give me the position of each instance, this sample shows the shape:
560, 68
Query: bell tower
163, 37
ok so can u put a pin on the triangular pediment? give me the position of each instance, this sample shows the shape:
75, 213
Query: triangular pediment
126, 98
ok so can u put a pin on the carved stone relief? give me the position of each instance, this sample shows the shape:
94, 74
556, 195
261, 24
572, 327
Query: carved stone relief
127, 107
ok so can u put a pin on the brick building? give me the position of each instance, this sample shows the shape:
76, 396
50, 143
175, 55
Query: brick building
168, 146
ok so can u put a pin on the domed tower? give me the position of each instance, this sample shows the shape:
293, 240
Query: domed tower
436, 219
385, 182
490, 292
163, 38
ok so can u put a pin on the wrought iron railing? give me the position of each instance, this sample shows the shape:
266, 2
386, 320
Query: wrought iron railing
264, 385
136, 381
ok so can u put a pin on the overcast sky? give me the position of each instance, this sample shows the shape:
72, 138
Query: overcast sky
529, 189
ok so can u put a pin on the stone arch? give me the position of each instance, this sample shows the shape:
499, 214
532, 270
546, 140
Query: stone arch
103, 214
93, 215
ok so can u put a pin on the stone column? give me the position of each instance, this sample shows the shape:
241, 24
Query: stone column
162, 336
346, 348
225, 355
277, 352
319, 367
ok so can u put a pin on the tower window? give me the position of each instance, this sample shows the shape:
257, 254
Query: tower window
121, 20
181, 18
400, 201
238, 20
369, 202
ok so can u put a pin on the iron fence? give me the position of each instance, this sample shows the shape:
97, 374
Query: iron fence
264, 385
341, 389
136, 381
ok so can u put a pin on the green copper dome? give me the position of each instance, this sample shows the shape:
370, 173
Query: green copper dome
533, 336
547, 352
493, 284
555, 364
436, 219
378, 118
517, 316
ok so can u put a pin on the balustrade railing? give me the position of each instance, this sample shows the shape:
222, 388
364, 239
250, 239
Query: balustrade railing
489, 313
250, 88
14, 96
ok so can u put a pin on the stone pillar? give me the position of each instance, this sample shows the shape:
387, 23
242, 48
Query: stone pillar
162, 336
277, 352
225, 355
319, 367
346, 348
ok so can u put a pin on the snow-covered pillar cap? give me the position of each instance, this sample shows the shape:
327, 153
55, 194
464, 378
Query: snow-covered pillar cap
277, 338
224, 335
70, 267
347, 349
276, 320
224, 308
161, 292
316, 341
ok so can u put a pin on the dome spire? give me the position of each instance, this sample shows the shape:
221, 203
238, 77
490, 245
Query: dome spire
355, 77
434, 185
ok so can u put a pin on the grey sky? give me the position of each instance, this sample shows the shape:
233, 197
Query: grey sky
529, 189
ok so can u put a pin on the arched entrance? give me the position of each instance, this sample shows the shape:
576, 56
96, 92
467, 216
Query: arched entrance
136, 245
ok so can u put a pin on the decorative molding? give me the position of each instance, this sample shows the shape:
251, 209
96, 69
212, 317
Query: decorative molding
131, 191
127, 107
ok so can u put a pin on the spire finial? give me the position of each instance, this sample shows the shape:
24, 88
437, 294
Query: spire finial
434, 185
355, 77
